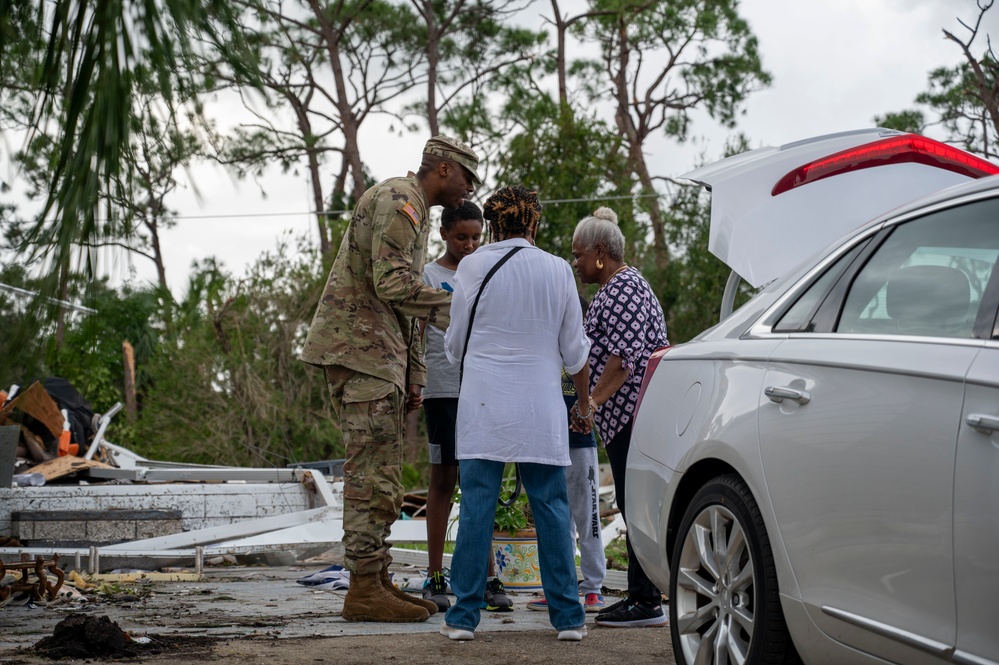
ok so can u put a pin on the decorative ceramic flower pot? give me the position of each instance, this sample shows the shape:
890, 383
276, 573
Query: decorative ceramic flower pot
516, 559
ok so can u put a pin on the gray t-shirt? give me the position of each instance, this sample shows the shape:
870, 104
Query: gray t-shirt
442, 376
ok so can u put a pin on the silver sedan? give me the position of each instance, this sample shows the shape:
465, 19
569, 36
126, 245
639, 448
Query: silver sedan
817, 476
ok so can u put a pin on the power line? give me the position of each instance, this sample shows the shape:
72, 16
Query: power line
263, 214
344, 212
602, 198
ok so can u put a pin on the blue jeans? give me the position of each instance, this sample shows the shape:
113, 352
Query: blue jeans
546, 490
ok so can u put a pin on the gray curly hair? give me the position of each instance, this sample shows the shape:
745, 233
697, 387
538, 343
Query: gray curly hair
601, 227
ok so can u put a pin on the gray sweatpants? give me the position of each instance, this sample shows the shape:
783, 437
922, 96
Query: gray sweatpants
584, 508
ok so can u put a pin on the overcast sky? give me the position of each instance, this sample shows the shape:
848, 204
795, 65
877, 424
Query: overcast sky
835, 65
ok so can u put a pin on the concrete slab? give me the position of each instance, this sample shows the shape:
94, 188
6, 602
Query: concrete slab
202, 505
241, 601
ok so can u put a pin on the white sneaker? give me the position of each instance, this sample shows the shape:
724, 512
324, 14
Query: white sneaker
572, 635
461, 634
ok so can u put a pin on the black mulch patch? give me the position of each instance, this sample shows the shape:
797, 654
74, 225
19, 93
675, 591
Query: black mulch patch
182, 648
82, 636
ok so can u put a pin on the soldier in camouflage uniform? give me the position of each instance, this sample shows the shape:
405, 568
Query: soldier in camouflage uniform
364, 335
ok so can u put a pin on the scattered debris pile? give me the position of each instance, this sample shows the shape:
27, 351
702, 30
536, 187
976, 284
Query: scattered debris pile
82, 636
56, 431
110, 508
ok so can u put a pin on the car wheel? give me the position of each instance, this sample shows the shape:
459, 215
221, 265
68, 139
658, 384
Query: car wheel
724, 604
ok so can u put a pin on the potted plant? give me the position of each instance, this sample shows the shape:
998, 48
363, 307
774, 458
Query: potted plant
513, 516
515, 542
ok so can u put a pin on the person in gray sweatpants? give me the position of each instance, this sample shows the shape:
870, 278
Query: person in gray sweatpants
583, 480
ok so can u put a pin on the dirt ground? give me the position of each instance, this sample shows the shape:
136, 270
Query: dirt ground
261, 615
639, 645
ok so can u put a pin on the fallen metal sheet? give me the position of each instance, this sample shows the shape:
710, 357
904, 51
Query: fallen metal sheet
417, 558
164, 473
176, 474
230, 531
328, 531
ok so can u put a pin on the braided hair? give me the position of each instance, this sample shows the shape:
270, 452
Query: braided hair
512, 211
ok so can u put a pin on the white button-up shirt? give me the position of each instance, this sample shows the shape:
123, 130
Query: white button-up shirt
528, 325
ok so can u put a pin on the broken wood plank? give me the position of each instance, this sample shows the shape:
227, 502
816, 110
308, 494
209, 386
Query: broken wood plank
65, 466
37, 403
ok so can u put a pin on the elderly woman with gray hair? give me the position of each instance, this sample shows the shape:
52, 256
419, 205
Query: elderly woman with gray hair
625, 325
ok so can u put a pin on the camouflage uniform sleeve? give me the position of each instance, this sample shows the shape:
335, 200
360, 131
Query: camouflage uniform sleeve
396, 280
417, 366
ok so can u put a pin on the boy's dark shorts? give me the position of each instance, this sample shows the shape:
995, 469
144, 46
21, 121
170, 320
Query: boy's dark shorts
441, 414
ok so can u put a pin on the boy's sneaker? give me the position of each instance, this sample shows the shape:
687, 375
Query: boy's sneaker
540, 604
435, 590
633, 615
594, 602
495, 597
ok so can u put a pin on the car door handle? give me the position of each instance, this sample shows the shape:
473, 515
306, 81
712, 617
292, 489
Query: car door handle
780, 394
983, 423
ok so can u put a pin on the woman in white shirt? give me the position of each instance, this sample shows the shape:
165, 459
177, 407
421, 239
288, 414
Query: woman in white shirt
527, 325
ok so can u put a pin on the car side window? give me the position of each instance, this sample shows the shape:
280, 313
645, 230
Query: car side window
799, 317
928, 277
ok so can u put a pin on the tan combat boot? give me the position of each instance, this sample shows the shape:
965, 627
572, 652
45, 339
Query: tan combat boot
368, 600
428, 605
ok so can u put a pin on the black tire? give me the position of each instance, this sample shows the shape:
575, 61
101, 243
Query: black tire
727, 614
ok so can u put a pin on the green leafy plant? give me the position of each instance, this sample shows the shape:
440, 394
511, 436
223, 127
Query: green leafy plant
515, 517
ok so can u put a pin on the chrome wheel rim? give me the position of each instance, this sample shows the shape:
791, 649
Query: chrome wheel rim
715, 591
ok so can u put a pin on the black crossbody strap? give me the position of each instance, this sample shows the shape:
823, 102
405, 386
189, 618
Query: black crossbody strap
471, 316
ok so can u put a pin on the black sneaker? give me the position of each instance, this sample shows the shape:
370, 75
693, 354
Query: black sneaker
615, 606
435, 590
633, 615
495, 597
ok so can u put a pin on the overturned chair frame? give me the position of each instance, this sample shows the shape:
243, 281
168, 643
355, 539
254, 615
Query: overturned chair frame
41, 588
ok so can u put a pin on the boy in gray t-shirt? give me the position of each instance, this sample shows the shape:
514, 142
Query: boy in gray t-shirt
461, 231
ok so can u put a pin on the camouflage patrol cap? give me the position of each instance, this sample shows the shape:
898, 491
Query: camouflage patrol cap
455, 151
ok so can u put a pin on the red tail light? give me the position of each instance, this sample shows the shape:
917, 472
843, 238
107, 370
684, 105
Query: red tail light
654, 359
908, 148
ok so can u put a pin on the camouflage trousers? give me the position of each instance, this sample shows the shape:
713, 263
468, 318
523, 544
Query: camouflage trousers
372, 415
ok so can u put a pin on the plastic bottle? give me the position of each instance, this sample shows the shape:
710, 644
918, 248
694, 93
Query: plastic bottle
29, 479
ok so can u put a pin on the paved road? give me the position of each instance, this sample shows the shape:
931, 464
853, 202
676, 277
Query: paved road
240, 615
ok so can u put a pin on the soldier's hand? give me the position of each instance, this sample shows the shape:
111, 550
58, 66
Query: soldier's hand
414, 398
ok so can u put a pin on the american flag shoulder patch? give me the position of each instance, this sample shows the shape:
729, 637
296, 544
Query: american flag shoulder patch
410, 212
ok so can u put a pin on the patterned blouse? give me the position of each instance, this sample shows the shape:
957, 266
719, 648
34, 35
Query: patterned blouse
624, 319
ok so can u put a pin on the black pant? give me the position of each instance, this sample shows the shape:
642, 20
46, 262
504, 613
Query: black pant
640, 587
